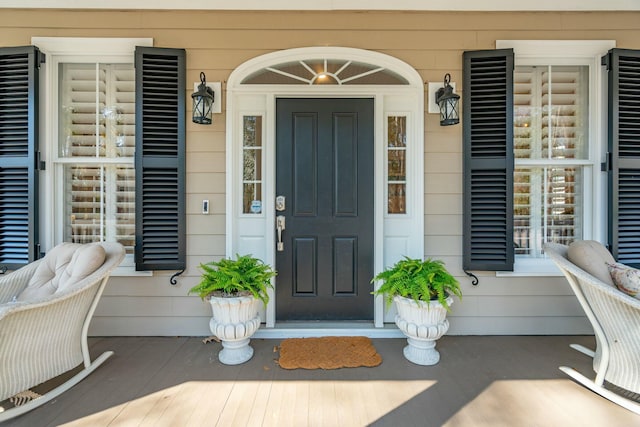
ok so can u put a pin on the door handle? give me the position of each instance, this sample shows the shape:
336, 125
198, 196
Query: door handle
279, 228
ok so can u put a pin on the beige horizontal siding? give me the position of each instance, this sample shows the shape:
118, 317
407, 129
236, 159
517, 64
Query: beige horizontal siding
474, 306
149, 326
520, 326
207, 140
361, 20
205, 182
432, 42
205, 161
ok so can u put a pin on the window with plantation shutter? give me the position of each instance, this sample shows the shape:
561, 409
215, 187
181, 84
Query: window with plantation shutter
488, 160
552, 127
96, 145
19, 77
623, 66
551, 134
117, 147
160, 158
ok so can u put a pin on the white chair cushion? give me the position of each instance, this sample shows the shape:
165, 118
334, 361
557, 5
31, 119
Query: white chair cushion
63, 266
592, 257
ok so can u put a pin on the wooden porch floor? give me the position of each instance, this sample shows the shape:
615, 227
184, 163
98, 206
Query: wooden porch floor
480, 381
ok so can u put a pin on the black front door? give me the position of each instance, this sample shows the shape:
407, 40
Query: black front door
324, 165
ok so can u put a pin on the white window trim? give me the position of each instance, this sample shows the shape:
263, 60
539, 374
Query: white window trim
71, 49
572, 52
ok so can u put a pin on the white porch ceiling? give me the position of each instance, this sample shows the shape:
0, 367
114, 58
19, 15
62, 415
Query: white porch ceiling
426, 5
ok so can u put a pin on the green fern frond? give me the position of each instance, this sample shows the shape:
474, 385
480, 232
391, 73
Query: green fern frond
244, 274
420, 280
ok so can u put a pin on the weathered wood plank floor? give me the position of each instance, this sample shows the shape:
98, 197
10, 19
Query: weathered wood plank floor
480, 381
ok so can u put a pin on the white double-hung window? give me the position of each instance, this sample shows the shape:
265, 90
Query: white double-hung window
551, 155
96, 141
558, 145
90, 140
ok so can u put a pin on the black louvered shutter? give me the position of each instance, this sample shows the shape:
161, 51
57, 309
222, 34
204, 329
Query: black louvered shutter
488, 160
160, 159
624, 149
19, 237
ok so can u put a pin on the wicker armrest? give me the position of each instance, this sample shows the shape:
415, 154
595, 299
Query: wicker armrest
13, 283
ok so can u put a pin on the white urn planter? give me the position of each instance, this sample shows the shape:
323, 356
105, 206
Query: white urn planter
423, 323
234, 321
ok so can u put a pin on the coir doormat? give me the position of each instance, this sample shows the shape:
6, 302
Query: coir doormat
328, 353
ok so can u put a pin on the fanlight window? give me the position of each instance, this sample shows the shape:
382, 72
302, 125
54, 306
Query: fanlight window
325, 72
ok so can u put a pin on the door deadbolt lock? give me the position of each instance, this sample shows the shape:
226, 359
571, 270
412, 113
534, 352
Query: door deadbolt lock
280, 203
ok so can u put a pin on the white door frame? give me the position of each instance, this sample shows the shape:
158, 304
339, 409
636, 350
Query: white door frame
394, 235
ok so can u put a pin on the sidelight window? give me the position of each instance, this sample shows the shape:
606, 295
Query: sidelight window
252, 154
397, 164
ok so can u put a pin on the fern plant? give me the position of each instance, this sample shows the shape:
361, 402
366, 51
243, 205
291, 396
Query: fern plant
243, 276
419, 280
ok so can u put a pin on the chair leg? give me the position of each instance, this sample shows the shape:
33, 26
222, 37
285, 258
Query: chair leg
22, 409
607, 394
584, 350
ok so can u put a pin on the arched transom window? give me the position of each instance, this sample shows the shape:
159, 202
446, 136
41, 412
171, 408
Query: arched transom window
325, 72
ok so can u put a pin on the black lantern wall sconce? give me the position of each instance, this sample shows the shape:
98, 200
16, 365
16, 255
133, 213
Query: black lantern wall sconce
448, 103
203, 102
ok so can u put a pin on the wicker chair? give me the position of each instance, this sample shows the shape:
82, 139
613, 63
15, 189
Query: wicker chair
45, 311
615, 318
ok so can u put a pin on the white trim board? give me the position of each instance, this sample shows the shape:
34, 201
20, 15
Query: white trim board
90, 46
421, 5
